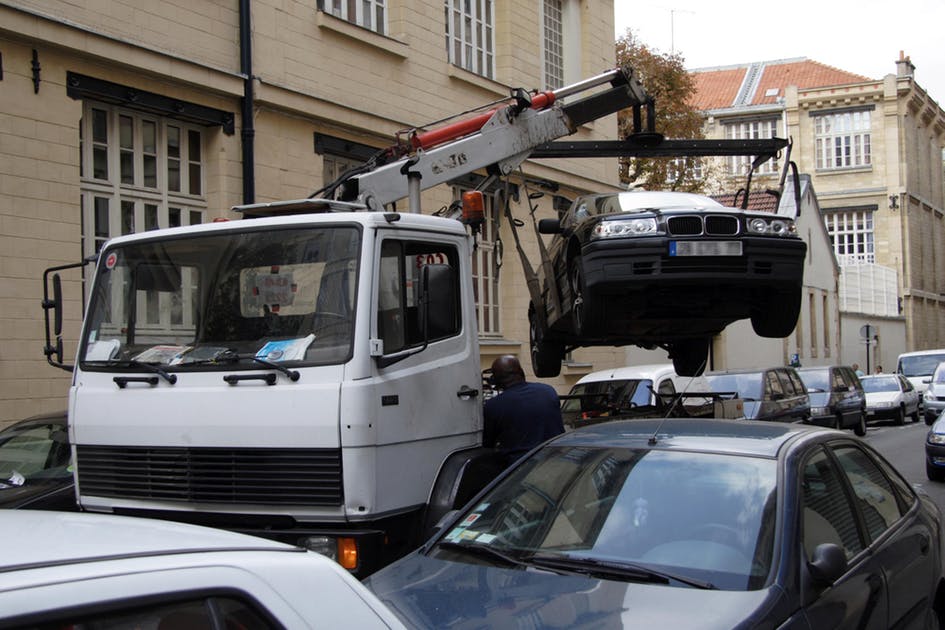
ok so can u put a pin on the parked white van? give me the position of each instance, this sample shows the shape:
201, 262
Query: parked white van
637, 391
919, 366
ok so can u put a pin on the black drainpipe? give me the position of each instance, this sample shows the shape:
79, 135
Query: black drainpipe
249, 129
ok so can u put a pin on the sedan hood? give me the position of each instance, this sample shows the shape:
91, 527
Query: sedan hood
431, 593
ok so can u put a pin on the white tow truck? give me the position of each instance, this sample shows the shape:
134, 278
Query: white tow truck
310, 374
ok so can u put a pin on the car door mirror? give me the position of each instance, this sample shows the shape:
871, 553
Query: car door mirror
827, 564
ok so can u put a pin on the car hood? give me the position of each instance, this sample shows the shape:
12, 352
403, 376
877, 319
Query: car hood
427, 592
50, 493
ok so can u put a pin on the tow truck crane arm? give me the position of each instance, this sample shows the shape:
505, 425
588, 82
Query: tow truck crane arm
498, 140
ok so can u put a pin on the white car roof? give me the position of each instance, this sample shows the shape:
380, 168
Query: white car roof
635, 372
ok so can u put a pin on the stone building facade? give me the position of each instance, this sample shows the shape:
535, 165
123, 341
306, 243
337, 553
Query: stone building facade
122, 116
873, 149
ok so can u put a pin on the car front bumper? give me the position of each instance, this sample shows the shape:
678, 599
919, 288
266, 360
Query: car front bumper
935, 454
882, 413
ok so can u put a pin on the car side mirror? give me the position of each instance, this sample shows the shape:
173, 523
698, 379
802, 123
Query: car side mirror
827, 564
549, 226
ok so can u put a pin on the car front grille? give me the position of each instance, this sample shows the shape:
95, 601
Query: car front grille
710, 225
291, 476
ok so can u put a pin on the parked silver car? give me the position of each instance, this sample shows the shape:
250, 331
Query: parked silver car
80, 570
891, 397
933, 400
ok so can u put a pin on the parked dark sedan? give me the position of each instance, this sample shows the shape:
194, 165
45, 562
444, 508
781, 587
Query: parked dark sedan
665, 269
837, 398
683, 523
776, 393
35, 470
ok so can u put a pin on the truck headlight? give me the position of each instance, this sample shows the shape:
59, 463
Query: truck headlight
637, 226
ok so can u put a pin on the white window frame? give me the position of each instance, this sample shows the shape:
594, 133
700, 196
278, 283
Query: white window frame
842, 140
678, 165
552, 38
759, 129
470, 35
852, 236
486, 267
369, 14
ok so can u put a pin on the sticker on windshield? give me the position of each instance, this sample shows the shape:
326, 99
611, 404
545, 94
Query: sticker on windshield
111, 260
469, 520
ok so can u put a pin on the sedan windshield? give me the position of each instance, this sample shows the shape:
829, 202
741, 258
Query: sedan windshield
276, 295
707, 518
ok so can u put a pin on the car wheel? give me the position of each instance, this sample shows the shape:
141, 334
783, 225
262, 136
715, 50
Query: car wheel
860, 428
934, 473
901, 416
777, 317
915, 416
689, 356
929, 420
546, 356
584, 310
838, 422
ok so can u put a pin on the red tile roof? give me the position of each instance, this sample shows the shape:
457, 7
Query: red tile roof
758, 201
718, 88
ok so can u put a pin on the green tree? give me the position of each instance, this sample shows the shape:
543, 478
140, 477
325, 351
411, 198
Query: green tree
670, 86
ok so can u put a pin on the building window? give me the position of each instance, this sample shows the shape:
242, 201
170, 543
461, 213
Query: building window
370, 14
851, 232
842, 140
812, 315
485, 267
682, 169
139, 172
553, 38
470, 35
751, 130
825, 301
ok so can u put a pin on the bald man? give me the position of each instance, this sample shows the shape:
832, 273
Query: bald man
523, 415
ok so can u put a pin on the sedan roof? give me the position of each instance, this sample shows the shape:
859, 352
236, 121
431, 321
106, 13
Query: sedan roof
48, 538
760, 439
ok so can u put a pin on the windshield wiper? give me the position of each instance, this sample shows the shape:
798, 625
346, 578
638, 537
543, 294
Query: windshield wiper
235, 357
133, 364
483, 551
609, 568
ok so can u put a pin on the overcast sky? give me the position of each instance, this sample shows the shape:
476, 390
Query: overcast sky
863, 37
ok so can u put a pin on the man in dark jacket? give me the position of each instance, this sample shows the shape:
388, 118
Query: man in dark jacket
523, 415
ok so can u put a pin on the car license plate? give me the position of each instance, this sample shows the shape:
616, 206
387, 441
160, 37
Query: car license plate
705, 248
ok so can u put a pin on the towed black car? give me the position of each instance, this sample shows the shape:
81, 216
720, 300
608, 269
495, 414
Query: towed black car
663, 269
35, 470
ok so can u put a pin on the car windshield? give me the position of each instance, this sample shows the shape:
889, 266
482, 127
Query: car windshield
939, 376
920, 365
708, 517
748, 385
601, 398
280, 295
33, 452
872, 384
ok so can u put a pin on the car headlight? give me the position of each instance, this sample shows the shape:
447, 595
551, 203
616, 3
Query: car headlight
928, 395
637, 226
885, 405
819, 411
936, 438
772, 227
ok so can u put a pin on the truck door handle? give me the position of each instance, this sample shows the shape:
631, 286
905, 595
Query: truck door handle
122, 381
467, 393
234, 379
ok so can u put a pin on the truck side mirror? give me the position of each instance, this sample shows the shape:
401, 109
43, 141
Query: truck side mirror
53, 351
57, 305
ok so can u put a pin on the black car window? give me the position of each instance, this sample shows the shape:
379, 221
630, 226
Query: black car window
795, 378
836, 381
906, 384
827, 514
787, 385
815, 379
903, 489
876, 499
773, 386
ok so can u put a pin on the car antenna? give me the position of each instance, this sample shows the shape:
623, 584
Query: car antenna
676, 401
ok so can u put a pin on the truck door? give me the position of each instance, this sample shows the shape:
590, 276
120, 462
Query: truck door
425, 360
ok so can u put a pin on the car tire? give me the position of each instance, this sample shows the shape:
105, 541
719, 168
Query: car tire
934, 473
585, 312
689, 356
901, 416
838, 422
860, 428
777, 318
929, 420
915, 416
546, 356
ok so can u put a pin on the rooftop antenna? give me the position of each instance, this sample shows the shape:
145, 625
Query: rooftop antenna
672, 26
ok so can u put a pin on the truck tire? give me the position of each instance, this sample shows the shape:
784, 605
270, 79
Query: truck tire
689, 356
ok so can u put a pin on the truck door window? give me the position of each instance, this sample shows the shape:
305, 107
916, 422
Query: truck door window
399, 325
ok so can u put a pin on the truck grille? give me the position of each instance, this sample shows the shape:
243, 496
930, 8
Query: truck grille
290, 476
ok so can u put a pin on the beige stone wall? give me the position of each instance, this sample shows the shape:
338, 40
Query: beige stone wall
312, 73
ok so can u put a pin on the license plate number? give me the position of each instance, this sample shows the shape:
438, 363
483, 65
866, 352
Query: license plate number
705, 248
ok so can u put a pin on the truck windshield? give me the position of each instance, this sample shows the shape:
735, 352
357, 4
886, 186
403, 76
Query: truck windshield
284, 295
